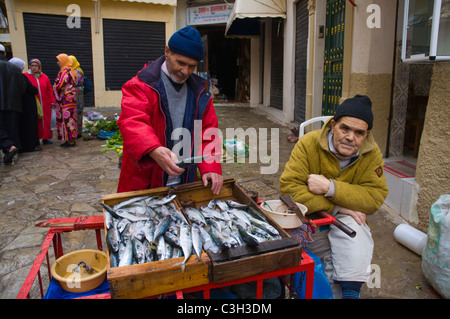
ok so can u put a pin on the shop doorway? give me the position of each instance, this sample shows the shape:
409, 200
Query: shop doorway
226, 65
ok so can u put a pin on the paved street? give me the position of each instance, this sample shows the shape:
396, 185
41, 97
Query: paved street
70, 182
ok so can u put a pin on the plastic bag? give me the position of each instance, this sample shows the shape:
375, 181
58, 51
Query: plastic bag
236, 147
436, 254
321, 286
40, 113
53, 120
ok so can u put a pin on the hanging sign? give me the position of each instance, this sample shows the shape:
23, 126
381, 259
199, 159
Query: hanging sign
212, 14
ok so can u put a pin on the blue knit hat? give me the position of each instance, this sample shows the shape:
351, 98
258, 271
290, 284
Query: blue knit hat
188, 42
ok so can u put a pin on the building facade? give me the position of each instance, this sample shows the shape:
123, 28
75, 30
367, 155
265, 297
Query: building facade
112, 40
292, 59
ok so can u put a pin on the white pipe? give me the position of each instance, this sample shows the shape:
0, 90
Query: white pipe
410, 237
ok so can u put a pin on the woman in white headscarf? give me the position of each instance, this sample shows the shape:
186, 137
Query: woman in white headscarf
29, 137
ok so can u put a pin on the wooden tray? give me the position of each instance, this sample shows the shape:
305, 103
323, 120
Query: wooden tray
243, 261
155, 278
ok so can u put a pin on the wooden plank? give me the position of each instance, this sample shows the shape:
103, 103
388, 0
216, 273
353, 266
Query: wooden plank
159, 277
245, 250
255, 265
113, 199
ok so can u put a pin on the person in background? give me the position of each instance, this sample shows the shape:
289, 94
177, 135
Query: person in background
339, 169
79, 89
45, 96
29, 137
65, 94
12, 86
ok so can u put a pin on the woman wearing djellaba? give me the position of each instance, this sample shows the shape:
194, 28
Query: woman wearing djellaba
79, 88
45, 96
65, 94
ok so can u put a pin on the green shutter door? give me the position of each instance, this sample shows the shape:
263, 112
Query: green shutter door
334, 56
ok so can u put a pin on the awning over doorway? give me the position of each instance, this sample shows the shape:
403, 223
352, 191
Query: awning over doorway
172, 3
242, 22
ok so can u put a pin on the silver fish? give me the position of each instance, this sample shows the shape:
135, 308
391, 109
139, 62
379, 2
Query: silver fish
217, 237
177, 252
240, 214
122, 224
261, 233
129, 202
149, 231
222, 205
253, 212
196, 240
122, 247
172, 239
177, 214
186, 244
234, 204
132, 218
138, 230
208, 242
169, 251
138, 251
265, 226
127, 257
162, 226
249, 239
162, 201
215, 214
212, 204
195, 215
113, 238
108, 220
168, 210
114, 258
161, 249
137, 209
110, 210
150, 254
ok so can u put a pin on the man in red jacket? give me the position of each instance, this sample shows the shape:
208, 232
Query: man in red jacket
163, 107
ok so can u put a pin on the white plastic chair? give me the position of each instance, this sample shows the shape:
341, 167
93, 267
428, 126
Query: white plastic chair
323, 119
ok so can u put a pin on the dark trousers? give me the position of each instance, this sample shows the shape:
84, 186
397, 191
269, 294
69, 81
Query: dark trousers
9, 130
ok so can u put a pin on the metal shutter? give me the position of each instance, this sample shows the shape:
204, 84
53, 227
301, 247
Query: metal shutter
301, 50
48, 35
276, 86
128, 46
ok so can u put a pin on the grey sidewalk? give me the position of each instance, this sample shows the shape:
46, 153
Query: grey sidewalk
70, 182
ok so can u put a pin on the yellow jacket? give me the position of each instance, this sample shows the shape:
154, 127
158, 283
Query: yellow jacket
361, 186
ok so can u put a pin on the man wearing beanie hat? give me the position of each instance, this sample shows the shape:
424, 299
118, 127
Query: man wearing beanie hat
339, 169
165, 114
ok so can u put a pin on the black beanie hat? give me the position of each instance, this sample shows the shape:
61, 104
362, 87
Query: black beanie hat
359, 106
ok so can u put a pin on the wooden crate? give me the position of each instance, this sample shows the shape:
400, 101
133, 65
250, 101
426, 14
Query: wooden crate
155, 278
239, 262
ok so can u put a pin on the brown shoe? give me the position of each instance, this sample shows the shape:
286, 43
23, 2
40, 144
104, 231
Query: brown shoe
292, 138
